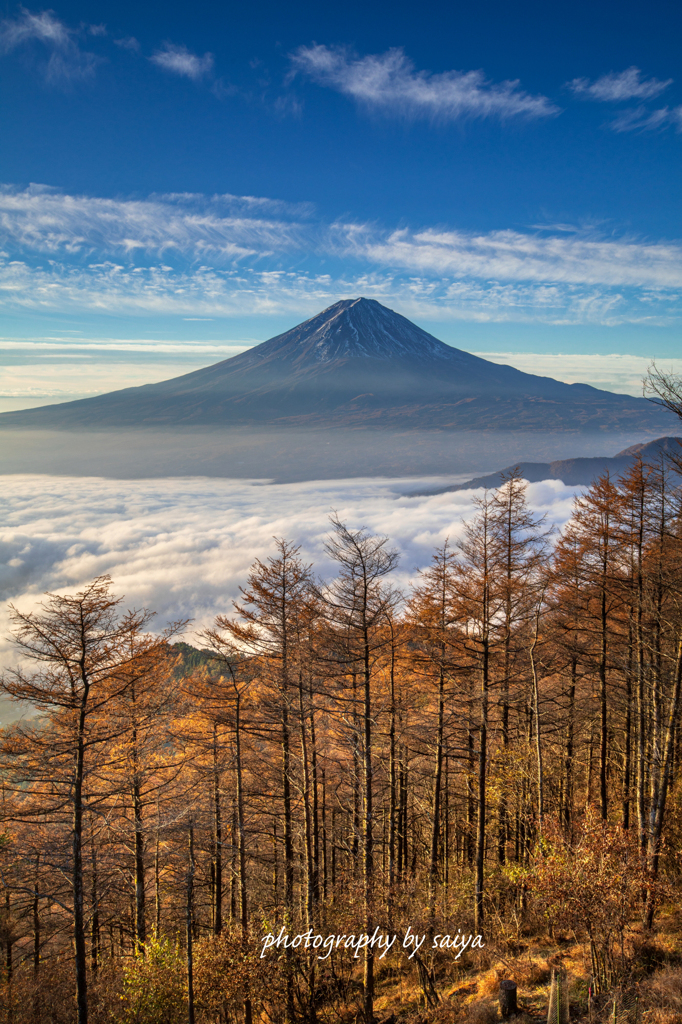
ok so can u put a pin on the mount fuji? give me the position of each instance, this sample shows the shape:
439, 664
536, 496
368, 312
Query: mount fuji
355, 364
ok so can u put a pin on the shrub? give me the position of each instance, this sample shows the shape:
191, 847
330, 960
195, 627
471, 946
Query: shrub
155, 986
593, 885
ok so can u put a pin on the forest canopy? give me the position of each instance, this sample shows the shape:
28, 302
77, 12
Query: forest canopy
492, 754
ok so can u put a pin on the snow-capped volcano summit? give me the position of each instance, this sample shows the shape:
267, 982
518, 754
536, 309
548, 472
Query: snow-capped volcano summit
356, 328
357, 363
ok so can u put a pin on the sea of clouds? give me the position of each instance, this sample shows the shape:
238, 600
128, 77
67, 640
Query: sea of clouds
183, 547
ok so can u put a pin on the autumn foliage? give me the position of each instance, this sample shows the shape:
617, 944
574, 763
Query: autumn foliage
493, 753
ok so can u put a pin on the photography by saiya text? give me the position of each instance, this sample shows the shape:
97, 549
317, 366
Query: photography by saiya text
409, 941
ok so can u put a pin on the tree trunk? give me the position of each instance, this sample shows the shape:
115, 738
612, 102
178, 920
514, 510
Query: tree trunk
481, 816
436, 796
603, 718
658, 811
567, 809
140, 910
241, 840
77, 873
36, 920
392, 796
508, 998
627, 752
157, 880
538, 734
315, 824
368, 833
325, 880
189, 926
218, 841
94, 920
356, 776
471, 771
307, 812
286, 799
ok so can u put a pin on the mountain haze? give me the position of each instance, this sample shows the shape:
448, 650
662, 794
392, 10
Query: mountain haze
355, 364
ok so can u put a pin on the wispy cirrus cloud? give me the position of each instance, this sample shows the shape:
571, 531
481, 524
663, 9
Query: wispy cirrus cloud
45, 220
125, 290
617, 87
181, 61
389, 83
196, 256
640, 119
66, 61
129, 43
514, 255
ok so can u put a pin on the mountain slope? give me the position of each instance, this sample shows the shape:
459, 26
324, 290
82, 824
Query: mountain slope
579, 470
357, 363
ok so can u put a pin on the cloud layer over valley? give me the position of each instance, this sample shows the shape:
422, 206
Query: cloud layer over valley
184, 546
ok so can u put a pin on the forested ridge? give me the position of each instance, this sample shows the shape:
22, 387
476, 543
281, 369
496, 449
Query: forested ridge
496, 752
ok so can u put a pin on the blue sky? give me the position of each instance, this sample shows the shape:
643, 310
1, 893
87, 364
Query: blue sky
179, 182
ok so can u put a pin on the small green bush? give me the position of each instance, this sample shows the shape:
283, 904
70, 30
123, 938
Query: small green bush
154, 985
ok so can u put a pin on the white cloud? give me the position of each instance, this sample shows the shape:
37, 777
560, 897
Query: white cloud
65, 375
42, 348
640, 119
611, 372
513, 255
35, 371
43, 220
125, 290
43, 26
242, 255
184, 546
47, 221
181, 61
129, 43
619, 86
388, 82
67, 61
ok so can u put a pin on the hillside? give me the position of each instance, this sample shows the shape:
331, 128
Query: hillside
577, 470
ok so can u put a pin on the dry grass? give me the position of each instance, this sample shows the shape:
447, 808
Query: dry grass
489, 983
483, 1011
470, 989
661, 1016
664, 989
442, 1014
528, 972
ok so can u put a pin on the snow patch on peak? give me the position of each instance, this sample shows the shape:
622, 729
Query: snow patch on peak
364, 328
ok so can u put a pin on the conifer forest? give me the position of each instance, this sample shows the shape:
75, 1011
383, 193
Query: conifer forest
486, 768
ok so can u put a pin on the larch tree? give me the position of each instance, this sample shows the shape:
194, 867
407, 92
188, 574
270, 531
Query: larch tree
356, 604
84, 662
522, 546
433, 614
595, 524
266, 628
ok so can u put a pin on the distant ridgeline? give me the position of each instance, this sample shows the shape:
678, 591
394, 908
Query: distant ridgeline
665, 451
357, 364
191, 659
